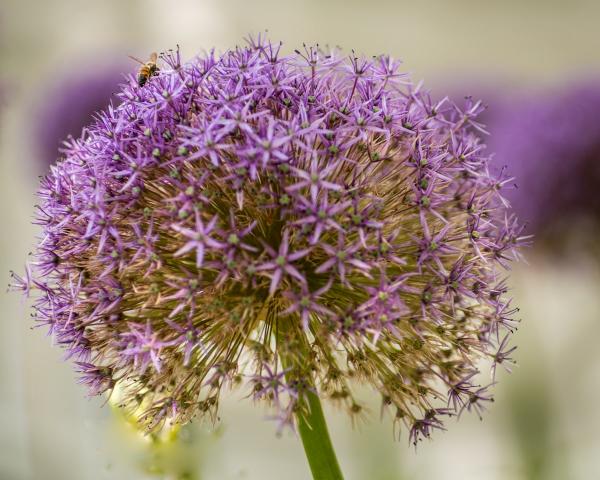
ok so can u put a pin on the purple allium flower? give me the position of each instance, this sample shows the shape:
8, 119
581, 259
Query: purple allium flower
2, 92
69, 105
294, 223
550, 142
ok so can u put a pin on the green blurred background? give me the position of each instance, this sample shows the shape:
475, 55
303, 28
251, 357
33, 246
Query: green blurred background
545, 422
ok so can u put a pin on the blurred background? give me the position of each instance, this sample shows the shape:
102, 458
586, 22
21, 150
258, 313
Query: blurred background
535, 63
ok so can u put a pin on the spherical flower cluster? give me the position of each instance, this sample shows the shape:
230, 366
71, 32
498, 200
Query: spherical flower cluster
295, 224
550, 142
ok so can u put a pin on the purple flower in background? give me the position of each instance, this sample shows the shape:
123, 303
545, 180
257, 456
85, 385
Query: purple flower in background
69, 104
293, 223
550, 142
4, 91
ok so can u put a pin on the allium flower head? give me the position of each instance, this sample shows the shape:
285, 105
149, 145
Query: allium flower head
290, 223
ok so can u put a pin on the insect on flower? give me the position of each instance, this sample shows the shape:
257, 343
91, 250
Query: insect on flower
148, 69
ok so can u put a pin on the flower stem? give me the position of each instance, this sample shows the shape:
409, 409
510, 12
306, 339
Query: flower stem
310, 419
317, 444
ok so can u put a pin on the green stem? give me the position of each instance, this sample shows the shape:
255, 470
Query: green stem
317, 444
310, 419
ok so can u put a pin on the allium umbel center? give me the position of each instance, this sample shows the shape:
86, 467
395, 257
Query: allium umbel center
286, 224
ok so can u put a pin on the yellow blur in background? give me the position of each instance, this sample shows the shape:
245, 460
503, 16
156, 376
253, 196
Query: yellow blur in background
544, 423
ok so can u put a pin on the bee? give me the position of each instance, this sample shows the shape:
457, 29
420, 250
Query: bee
147, 69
